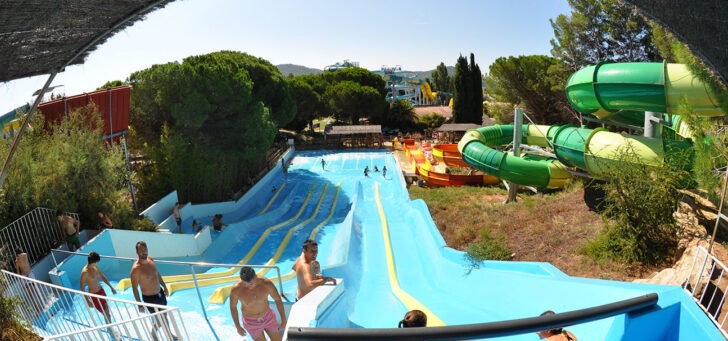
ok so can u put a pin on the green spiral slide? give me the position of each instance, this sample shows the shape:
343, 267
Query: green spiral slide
621, 92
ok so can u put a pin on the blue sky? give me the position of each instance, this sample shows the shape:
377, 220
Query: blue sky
417, 35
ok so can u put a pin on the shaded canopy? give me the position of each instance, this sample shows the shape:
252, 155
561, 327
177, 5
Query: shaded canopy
699, 24
350, 130
38, 36
458, 127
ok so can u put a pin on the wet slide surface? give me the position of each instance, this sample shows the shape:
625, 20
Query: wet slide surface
395, 259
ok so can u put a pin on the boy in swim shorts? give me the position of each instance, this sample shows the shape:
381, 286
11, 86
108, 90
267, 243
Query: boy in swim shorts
92, 276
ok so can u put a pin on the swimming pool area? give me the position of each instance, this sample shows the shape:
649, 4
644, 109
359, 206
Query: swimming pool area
384, 246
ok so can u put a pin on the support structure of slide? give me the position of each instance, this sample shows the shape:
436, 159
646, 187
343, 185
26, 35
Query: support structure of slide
600, 90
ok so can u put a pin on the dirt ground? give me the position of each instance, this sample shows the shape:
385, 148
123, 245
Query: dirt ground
553, 232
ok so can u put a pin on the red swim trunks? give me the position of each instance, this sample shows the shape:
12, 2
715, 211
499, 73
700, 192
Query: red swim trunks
255, 325
100, 303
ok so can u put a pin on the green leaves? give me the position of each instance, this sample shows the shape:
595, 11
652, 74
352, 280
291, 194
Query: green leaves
535, 82
70, 168
216, 114
601, 30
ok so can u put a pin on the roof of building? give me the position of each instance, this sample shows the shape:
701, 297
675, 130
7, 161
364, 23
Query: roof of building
39, 37
457, 127
351, 130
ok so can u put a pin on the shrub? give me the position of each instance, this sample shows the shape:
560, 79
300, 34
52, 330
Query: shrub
639, 203
10, 328
488, 248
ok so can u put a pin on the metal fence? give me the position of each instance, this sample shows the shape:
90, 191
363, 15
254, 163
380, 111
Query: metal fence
37, 232
707, 285
58, 313
196, 277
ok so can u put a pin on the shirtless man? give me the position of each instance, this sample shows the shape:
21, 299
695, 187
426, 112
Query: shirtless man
304, 275
177, 217
144, 274
105, 221
69, 228
91, 276
252, 292
22, 264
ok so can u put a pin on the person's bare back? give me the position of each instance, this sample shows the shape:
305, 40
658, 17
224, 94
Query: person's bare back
68, 224
22, 264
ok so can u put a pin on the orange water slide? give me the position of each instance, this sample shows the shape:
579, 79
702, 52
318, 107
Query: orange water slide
427, 172
449, 155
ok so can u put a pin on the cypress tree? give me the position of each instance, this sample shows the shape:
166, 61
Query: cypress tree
476, 79
462, 99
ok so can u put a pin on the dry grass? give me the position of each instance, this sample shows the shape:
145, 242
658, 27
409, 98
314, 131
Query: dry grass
551, 228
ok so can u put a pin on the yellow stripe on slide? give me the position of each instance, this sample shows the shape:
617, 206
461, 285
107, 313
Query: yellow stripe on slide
409, 301
222, 293
185, 281
272, 199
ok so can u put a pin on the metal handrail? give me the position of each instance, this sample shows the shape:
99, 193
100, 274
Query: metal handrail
477, 330
55, 311
703, 284
36, 232
192, 266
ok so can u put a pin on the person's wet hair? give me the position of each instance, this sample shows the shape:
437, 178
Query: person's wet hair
247, 274
308, 243
18, 250
140, 243
555, 330
93, 257
413, 318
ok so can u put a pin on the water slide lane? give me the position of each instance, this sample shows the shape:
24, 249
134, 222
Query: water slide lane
377, 300
283, 246
176, 282
448, 154
234, 243
230, 275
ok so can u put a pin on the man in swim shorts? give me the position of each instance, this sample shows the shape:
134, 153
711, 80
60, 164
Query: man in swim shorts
92, 276
144, 275
252, 291
69, 226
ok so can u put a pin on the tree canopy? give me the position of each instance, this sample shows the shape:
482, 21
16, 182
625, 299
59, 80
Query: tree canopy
468, 96
601, 30
68, 167
536, 82
210, 121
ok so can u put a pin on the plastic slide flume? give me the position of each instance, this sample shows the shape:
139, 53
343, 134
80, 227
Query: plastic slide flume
601, 90
408, 300
177, 282
427, 171
221, 294
231, 275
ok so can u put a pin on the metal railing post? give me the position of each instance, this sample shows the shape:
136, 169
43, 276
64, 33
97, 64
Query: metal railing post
197, 287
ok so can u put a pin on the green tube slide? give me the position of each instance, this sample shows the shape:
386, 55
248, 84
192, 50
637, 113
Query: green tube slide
476, 149
611, 91
638, 87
